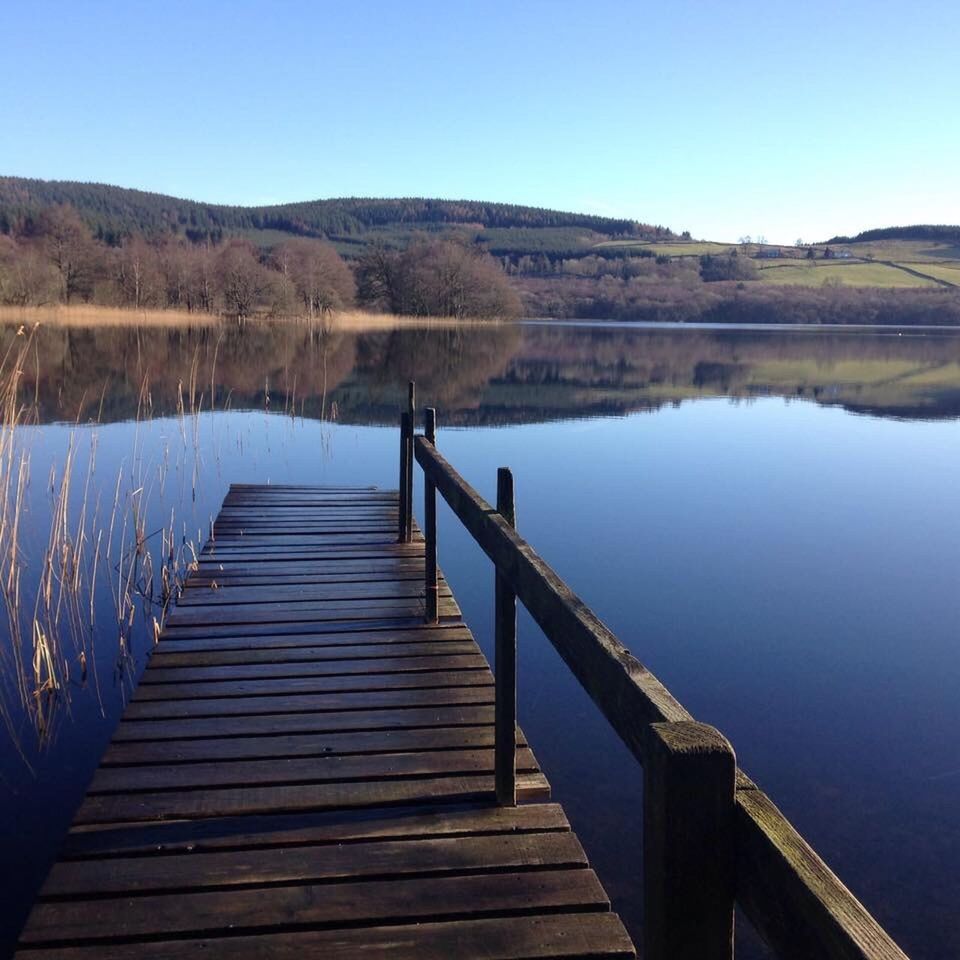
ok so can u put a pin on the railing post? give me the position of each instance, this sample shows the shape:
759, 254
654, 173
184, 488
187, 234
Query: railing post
406, 429
408, 503
505, 663
689, 785
430, 524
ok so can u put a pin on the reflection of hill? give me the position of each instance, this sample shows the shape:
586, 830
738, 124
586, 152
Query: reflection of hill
617, 370
481, 375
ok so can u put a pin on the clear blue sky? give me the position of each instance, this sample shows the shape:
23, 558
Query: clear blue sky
790, 120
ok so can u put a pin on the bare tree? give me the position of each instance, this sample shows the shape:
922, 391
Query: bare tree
321, 280
71, 250
137, 273
242, 278
202, 281
27, 278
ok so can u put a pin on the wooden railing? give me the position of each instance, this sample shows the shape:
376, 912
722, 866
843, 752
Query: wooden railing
712, 838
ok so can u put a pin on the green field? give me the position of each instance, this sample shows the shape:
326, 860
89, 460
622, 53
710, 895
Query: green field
672, 248
906, 251
948, 270
853, 273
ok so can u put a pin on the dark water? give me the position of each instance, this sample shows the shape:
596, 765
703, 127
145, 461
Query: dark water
769, 520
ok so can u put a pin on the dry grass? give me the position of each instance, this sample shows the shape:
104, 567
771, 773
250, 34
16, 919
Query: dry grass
349, 321
91, 315
49, 599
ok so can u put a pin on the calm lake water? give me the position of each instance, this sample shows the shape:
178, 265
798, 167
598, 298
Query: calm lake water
769, 519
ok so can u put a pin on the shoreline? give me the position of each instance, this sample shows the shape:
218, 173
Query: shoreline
88, 315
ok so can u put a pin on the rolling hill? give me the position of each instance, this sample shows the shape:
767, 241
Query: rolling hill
350, 223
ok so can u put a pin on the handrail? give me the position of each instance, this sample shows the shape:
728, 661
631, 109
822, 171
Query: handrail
711, 835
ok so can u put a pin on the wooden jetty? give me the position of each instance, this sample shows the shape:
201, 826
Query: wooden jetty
318, 761
308, 767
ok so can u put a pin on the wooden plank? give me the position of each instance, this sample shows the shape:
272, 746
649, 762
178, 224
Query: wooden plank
325, 768
598, 936
198, 595
324, 635
308, 828
367, 859
337, 565
252, 579
305, 611
286, 516
299, 745
288, 542
316, 702
226, 631
307, 653
242, 689
332, 551
309, 905
369, 666
237, 801
406, 718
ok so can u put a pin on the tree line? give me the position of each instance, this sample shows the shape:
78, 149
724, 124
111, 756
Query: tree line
57, 259
942, 233
115, 212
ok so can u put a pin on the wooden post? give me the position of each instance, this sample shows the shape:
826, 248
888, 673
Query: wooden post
430, 524
411, 420
689, 787
405, 494
505, 664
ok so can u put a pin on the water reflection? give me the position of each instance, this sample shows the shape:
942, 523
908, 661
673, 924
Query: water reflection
484, 375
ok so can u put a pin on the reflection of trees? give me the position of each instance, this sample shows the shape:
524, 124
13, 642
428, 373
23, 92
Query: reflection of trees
614, 369
478, 374
451, 365
128, 369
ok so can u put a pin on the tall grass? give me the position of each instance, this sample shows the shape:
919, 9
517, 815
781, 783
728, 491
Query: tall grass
49, 586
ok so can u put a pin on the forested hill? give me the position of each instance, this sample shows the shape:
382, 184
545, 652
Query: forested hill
944, 233
115, 212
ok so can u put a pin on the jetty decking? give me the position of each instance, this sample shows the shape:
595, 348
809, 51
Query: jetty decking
307, 767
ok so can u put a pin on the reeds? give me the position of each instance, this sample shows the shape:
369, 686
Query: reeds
49, 585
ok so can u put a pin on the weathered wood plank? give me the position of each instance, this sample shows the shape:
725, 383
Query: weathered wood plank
306, 654
374, 858
305, 611
316, 667
198, 595
329, 635
382, 718
598, 936
317, 702
326, 768
350, 551
237, 801
252, 579
367, 680
235, 631
299, 745
304, 906
309, 828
